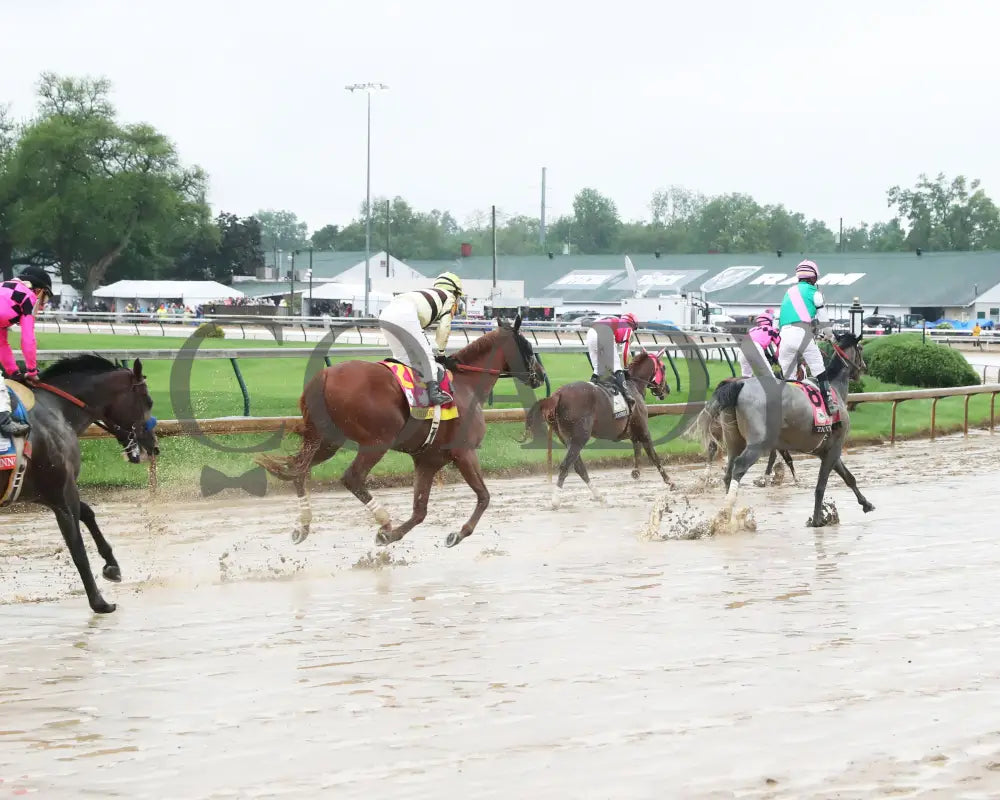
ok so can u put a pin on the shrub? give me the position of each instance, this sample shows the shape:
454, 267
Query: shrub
907, 360
210, 330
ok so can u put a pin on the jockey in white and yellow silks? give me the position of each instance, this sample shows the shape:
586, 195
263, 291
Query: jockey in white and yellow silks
403, 322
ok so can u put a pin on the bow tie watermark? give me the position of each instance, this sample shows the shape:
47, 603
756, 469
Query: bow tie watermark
252, 481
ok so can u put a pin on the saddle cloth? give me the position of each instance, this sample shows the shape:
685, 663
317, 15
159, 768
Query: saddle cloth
14, 454
415, 391
822, 422
619, 406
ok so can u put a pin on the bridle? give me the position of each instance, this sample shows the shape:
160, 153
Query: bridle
658, 369
855, 366
527, 376
128, 438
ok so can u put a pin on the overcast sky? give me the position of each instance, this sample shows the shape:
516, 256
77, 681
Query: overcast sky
820, 106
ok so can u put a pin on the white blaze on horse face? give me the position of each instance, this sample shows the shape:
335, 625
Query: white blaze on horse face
381, 515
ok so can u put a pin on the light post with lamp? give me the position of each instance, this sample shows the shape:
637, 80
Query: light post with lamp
368, 88
857, 313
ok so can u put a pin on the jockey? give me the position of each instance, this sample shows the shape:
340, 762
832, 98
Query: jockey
19, 299
408, 315
605, 360
765, 338
801, 311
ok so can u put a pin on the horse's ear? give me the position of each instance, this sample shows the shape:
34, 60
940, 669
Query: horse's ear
137, 369
517, 322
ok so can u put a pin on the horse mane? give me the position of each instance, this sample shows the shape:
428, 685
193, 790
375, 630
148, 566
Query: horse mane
87, 363
480, 346
837, 365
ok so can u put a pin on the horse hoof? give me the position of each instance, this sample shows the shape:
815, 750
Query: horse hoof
299, 535
112, 572
382, 537
453, 539
103, 607
635, 474
867, 507
760, 483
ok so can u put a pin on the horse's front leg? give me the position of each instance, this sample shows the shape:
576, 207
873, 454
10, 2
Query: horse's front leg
817, 520
425, 468
467, 462
111, 569
636, 450
647, 443
68, 516
849, 479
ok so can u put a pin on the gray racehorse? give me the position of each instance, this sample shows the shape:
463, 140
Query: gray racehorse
749, 410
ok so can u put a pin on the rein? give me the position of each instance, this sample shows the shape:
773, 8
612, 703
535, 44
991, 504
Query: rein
112, 428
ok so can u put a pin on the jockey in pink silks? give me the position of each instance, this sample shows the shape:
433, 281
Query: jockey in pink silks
765, 338
608, 360
19, 299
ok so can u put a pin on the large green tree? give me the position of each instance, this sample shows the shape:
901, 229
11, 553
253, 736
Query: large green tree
282, 230
90, 188
947, 215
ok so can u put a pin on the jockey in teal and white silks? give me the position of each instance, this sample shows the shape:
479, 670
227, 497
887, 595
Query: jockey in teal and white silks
802, 308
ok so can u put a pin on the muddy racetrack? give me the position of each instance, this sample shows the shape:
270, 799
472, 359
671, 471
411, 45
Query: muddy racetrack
553, 654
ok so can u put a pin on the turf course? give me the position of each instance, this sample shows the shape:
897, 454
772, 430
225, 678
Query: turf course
275, 385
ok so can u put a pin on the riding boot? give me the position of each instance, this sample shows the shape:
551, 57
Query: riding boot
620, 382
824, 388
9, 427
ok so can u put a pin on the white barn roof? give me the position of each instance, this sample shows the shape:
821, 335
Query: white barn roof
188, 291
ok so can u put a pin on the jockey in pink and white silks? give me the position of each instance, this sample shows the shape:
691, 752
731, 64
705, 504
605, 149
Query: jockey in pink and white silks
802, 310
765, 339
403, 322
19, 299
606, 354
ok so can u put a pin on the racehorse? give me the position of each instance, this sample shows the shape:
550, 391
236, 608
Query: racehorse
582, 410
764, 480
71, 395
741, 406
362, 402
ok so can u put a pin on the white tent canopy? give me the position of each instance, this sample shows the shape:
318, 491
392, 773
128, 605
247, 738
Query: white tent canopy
355, 292
190, 292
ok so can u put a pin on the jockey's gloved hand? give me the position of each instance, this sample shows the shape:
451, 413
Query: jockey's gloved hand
448, 362
31, 376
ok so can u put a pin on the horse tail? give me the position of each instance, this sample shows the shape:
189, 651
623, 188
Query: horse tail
288, 468
539, 417
725, 397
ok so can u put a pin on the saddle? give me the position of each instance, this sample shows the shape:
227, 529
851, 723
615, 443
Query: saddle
15, 453
415, 391
619, 405
822, 422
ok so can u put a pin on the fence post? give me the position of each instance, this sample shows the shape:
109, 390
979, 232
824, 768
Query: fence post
243, 387
892, 435
965, 421
934, 403
673, 366
993, 400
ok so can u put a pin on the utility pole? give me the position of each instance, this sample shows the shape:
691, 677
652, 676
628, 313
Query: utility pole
367, 88
493, 217
387, 239
542, 218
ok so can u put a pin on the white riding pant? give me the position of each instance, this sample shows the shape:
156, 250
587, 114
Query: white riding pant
605, 353
792, 337
745, 365
406, 339
4, 398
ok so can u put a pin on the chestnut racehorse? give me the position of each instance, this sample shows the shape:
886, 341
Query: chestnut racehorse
362, 402
580, 411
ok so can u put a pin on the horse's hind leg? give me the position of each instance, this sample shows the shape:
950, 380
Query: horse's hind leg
426, 466
573, 449
467, 462
817, 520
68, 516
111, 569
356, 476
581, 470
849, 479
314, 451
787, 457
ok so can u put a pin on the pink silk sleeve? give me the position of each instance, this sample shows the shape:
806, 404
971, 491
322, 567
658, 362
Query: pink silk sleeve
6, 354
29, 347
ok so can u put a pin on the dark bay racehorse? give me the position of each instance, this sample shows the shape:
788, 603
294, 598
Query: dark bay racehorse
741, 407
73, 394
361, 402
581, 410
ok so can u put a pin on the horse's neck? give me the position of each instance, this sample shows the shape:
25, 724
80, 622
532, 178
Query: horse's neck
86, 391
